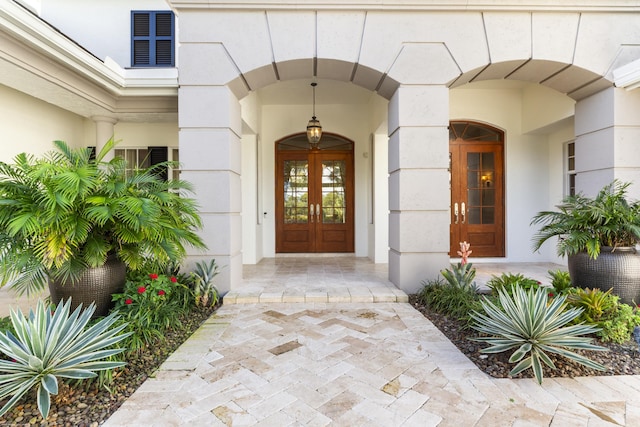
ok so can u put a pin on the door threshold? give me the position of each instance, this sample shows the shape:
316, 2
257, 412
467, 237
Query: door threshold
316, 255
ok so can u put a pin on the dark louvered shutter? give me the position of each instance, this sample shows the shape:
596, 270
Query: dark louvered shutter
164, 39
159, 155
152, 41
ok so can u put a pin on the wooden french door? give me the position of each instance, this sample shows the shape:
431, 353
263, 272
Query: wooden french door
477, 189
314, 196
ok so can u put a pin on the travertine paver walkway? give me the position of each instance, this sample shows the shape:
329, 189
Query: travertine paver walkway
354, 364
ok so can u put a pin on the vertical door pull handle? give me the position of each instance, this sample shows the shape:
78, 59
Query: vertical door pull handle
311, 211
318, 212
464, 213
455, 213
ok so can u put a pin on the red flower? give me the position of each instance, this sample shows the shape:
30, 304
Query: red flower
174, 280
550, 294
128, 301
141, 290
153, 276
161, 292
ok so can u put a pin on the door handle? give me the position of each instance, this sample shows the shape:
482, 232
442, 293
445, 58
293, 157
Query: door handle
311, 211
317, 212
464, 213
455, 213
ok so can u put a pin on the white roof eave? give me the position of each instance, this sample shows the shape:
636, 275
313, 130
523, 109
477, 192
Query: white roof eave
628, 76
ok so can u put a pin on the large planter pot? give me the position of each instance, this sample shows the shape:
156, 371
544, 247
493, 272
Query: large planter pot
95, 285
618, 269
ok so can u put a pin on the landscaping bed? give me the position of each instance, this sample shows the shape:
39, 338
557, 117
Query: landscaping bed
621, 359
85, 405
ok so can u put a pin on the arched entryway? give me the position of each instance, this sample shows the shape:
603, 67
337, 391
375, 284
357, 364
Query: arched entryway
476, 153
314, 195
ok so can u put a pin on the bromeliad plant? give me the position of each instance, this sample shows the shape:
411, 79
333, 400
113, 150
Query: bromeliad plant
205, 293
533, 326
50, 345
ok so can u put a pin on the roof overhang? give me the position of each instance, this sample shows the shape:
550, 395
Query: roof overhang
38, 60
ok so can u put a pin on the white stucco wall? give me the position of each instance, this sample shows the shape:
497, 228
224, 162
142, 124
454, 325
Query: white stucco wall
142, 135
30, 125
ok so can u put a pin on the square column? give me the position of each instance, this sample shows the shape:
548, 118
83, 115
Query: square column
419, 194
209, 135
607, 128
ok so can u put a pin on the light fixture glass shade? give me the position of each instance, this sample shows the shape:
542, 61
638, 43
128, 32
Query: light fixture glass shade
314, 131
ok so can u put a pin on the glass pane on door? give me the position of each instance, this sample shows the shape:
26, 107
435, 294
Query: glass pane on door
481, 188
333, 192
296, 191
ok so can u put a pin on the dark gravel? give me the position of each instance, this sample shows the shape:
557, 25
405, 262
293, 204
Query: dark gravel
82, 406
619, 360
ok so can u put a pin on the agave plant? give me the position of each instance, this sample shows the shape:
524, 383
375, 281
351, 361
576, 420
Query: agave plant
534, 326
48, 345
204, 291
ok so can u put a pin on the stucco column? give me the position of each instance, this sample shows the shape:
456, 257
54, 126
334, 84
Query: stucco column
210, 156
104, 131
419, 195
607, 128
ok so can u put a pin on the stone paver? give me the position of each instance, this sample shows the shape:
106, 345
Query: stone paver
352, 364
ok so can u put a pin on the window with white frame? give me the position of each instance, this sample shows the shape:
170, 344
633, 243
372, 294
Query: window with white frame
143, 158
152, 39
570, 168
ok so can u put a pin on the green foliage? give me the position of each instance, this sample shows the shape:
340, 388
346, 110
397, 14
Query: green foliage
596, 305
49, 345
560, 281
455, 301
508, 281
206, 294
534, 326
460, 276
603, 309
149, 305
67, 211
619, 327
587, 224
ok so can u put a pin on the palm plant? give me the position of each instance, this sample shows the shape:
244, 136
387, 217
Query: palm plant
534, 326
49, 345
587, 224
69, 211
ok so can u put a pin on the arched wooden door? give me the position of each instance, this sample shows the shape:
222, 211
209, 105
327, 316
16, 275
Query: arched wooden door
314, 195
476, 153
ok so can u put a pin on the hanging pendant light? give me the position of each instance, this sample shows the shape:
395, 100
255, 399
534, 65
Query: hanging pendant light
314, 130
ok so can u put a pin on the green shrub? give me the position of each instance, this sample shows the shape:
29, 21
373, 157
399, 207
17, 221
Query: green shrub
619, 327
457, 302
560, 281
47, 345
150, 305
603, 309
534, 326
508, 281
